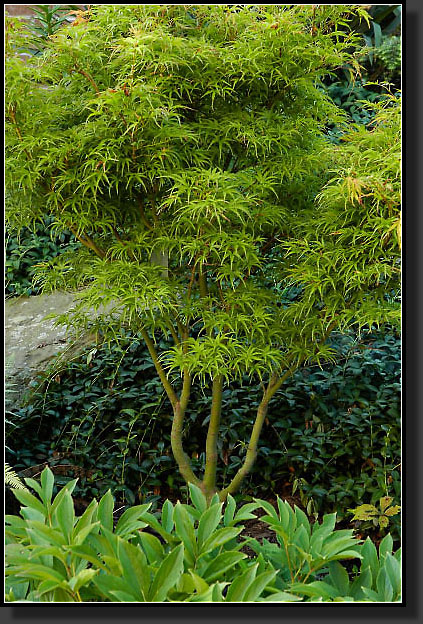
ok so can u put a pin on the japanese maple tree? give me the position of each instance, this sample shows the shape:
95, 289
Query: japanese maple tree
186, 148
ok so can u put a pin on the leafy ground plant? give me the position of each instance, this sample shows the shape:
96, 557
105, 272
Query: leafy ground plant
378, 516
180, 145
187, 553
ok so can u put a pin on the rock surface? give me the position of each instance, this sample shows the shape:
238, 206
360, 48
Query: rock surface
32, 341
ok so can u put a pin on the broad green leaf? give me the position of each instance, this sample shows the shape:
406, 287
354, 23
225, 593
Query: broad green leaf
371, 595
267, 507
339, 577
302, 519
69, 487
384, 586
217, 594
135, 569
87, 517
185, 530
257, 586
220, 537
337, 542
370, 558
200, 584
393, 571
345, 554
230, 507
324, 529
47, 534
215, 499
151, 546
15, 521
65, 515
301, 538
113, 565
40, 551
37, 571
364, 579
185, 585
208, 522
83, 533
192, 511
286, 515
130, 518
47, 483
245, 513
167, 575
82, 578
32, 483
107, 583
47, 586
25, 498
155, 524
33, 514
197, 497
122, 596
205, 596
316, 589
385, 546
280, 597
105, 511
220, 564
238, 588
86, 553
167, 516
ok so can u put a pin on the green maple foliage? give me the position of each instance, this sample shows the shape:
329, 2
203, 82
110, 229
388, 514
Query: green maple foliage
186, 147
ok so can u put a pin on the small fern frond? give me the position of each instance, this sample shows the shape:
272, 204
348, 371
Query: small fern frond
11, 479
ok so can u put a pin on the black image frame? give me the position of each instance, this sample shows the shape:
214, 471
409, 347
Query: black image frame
410, 610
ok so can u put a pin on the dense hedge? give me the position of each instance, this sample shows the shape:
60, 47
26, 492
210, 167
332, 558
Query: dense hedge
334, 433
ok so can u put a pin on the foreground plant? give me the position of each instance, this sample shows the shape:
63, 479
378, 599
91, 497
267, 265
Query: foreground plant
187, 553
375, 516
183, 145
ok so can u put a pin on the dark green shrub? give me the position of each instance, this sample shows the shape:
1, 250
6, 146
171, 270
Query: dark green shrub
25, 250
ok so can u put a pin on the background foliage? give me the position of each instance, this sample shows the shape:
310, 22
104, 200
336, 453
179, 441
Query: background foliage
28, 248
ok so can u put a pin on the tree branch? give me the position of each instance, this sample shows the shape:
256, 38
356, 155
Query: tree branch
142, 214
88, 242
163, 377
180, 456
77, 69
182, 459
273, 386
209, 480
12, 113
